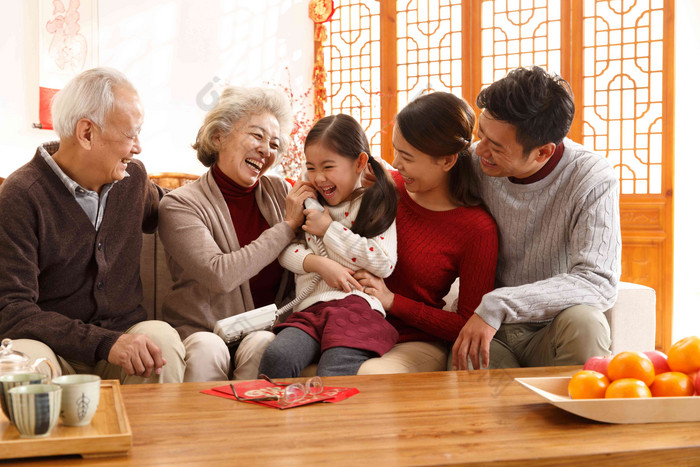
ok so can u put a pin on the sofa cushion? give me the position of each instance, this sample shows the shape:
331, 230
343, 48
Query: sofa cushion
155, 275
632, 319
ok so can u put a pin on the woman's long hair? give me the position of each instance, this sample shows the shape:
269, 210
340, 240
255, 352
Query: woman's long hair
343, 135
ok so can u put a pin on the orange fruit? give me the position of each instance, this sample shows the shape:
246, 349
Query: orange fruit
684, 355
631, 365
588, 384
627, 387
672, 384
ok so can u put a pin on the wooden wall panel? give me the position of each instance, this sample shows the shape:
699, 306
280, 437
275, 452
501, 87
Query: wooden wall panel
643, 215
642, 259
645, 246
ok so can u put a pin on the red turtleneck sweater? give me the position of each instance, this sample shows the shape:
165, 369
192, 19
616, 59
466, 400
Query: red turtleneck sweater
544, 171
249, 223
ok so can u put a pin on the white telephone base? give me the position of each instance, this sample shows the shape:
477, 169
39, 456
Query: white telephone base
234, 328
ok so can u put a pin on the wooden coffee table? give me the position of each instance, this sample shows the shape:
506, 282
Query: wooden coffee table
410, 419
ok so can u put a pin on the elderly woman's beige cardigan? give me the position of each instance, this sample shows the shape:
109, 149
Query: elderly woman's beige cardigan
209, 268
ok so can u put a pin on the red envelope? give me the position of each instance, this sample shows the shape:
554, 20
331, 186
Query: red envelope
262, 388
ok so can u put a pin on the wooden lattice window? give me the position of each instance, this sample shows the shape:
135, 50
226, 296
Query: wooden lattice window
623, 53
428, 48
519, 33
353, 64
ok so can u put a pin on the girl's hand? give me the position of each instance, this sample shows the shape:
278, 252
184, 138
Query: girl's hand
334, 274
375, 286
317, 222
294, 203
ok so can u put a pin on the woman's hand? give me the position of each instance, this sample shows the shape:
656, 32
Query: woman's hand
334, 274
375, 286
317, 222
294, 203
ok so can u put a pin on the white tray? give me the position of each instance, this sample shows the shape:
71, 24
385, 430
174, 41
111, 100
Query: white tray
647, 410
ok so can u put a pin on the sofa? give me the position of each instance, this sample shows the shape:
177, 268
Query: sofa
632, 319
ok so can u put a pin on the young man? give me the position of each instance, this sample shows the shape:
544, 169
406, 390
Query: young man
70, 241
557, 209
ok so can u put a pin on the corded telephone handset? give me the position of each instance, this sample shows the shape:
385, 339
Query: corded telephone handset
234, 328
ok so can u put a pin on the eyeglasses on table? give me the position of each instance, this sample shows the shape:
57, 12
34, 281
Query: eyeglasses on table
293, 392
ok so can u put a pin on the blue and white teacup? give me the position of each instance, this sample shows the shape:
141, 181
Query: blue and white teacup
10, 381
81, 396
35, 409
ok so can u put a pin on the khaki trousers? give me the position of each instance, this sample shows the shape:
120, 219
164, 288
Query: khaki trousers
408, 357
575, 335
160, 332
208, 357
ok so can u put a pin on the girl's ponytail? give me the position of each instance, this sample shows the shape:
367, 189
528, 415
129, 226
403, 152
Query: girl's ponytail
379, 203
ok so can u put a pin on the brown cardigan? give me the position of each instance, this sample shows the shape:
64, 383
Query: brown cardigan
209, 268
61, 282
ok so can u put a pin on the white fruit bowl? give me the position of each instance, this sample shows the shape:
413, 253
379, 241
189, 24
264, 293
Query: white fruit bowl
647, 410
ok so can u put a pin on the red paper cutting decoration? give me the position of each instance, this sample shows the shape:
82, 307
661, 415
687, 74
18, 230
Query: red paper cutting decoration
320, 11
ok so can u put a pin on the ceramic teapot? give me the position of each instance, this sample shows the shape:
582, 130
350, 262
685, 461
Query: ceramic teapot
12, 362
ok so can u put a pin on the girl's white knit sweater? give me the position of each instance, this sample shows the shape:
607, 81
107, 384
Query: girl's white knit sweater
377, 255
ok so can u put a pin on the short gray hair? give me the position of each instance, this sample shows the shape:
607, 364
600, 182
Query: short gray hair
88, 95
236, 103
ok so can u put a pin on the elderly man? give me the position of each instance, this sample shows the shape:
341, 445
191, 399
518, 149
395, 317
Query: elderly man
556, 206
70, 241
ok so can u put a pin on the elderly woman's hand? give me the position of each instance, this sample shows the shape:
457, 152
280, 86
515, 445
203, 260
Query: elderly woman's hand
375, 286
294, 203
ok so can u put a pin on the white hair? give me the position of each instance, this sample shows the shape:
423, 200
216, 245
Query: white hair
236, 103
88, 95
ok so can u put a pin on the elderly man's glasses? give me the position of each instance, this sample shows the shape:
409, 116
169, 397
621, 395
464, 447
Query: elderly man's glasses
290, 393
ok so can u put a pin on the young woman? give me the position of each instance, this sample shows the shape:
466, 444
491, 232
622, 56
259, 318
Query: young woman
442, 233
338, 321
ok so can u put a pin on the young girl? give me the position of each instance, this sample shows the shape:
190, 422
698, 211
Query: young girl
337, 320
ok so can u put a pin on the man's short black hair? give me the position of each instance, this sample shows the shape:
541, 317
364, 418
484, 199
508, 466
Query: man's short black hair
539, 104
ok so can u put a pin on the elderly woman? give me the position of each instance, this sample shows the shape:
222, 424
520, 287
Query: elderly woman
223, 232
